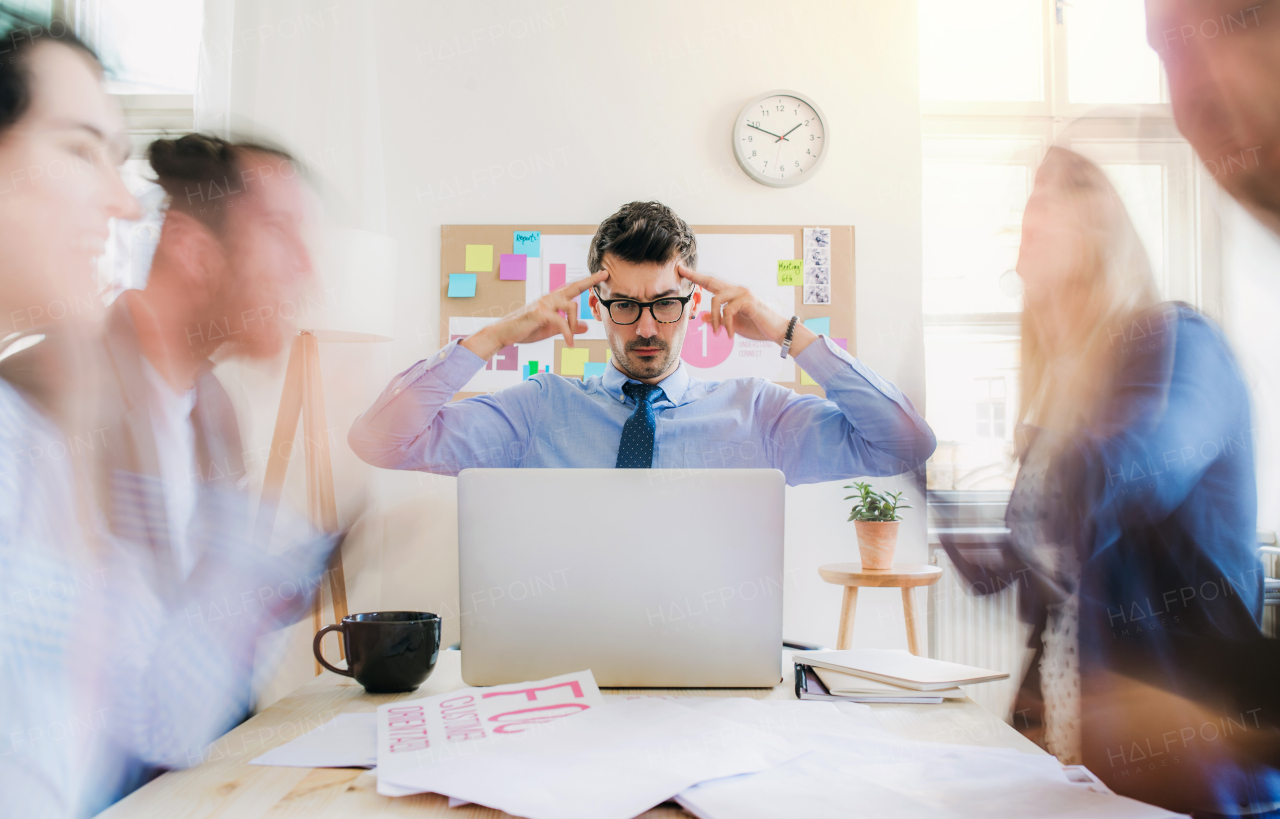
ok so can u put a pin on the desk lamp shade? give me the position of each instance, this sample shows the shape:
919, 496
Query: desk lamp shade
356, 271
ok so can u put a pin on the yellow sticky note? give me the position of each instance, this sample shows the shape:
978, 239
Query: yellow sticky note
608, 355
572, 359
806, 380
790, 272
479, 258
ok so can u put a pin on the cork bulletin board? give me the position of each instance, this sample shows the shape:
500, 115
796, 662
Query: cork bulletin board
724, 251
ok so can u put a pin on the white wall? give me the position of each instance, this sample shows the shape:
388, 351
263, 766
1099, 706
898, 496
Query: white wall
1251, 279
559, 112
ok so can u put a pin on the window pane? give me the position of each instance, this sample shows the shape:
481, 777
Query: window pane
981, 50
1108, 58
150, 46
972, 226
973, 452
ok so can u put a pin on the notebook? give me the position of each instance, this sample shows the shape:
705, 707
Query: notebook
898, 668
810, 687
847, 685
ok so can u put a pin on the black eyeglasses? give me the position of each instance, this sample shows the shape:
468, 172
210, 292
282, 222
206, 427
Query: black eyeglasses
666, 310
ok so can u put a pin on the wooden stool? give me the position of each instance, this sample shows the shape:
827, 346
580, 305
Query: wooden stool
906, 576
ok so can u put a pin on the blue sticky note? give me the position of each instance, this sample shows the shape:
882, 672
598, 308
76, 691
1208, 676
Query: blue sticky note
462, 285
592, 368
821, 326
585, 301
528, 242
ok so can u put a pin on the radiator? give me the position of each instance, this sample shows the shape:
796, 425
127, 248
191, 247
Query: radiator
978, 630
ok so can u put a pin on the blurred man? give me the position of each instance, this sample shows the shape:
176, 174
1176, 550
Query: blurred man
1223, 62
230, 264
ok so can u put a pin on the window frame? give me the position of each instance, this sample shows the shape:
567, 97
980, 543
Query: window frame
147, 116
1131, 134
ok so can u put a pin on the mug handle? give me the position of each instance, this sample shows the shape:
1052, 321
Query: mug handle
315, 649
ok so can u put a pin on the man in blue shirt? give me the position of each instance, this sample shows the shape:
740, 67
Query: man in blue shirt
648, 409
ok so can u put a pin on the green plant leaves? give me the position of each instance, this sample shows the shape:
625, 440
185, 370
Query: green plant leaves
875, 506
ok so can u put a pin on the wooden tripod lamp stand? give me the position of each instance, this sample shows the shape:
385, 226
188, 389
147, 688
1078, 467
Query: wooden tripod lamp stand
358, 272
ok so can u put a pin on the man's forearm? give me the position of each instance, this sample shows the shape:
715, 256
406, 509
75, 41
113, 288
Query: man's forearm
485, 344
393, 432
801, 338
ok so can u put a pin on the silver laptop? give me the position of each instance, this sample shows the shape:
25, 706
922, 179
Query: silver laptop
664, 578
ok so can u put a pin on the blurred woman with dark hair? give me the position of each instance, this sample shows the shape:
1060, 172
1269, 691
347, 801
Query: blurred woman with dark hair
1136, 484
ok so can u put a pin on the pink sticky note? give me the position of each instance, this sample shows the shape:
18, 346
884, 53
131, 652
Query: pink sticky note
557, 276
843, 342
512, 266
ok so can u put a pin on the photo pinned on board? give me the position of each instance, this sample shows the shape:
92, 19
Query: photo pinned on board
817, 237
817, 275
818, 256
817, 294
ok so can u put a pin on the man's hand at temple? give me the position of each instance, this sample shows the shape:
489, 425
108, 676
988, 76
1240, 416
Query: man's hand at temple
553, 313
738, 310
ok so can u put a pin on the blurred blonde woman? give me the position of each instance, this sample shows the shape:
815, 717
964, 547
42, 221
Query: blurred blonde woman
1133, 514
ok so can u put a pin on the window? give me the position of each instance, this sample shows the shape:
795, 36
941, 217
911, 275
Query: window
151, 51
988, 393
1000, 82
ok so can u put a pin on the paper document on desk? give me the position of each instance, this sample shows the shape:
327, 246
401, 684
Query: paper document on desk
934, 782
347, 741
612, 762
414, 733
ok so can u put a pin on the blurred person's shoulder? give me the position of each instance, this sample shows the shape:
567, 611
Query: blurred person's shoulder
1178, 337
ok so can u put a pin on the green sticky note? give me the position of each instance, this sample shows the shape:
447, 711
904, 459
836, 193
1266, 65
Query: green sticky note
479, 258
806, 380
462, 285
572, 360
790, 272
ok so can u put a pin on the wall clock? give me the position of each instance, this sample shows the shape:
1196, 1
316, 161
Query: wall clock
780, 138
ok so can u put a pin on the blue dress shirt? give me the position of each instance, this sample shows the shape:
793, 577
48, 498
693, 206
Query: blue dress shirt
865, 426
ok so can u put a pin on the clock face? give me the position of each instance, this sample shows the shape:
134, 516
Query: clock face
780, 139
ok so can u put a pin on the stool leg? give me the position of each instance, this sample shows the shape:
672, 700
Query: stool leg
847, 609
909, 613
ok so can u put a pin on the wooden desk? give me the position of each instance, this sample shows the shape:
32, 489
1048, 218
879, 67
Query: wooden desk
225, 785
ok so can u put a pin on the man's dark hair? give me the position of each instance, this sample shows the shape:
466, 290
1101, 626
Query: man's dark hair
19, 36
643, 232
202, 173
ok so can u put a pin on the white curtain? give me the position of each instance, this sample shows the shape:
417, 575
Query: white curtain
303, 75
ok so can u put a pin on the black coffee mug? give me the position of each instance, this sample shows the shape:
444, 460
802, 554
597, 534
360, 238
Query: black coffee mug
388, 652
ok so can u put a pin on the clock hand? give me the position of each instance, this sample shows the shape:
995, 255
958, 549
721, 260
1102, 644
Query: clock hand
784, 136
770, 133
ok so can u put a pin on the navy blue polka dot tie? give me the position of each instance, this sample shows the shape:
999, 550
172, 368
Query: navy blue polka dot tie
636, 449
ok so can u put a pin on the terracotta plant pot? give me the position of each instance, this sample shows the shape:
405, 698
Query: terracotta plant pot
877, 541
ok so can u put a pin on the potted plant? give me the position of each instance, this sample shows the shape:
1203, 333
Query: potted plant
875, 518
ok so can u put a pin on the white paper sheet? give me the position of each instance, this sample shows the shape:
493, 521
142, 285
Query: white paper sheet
948, 782
751, 261
609, 763
347, 741
427, 731
570, 251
